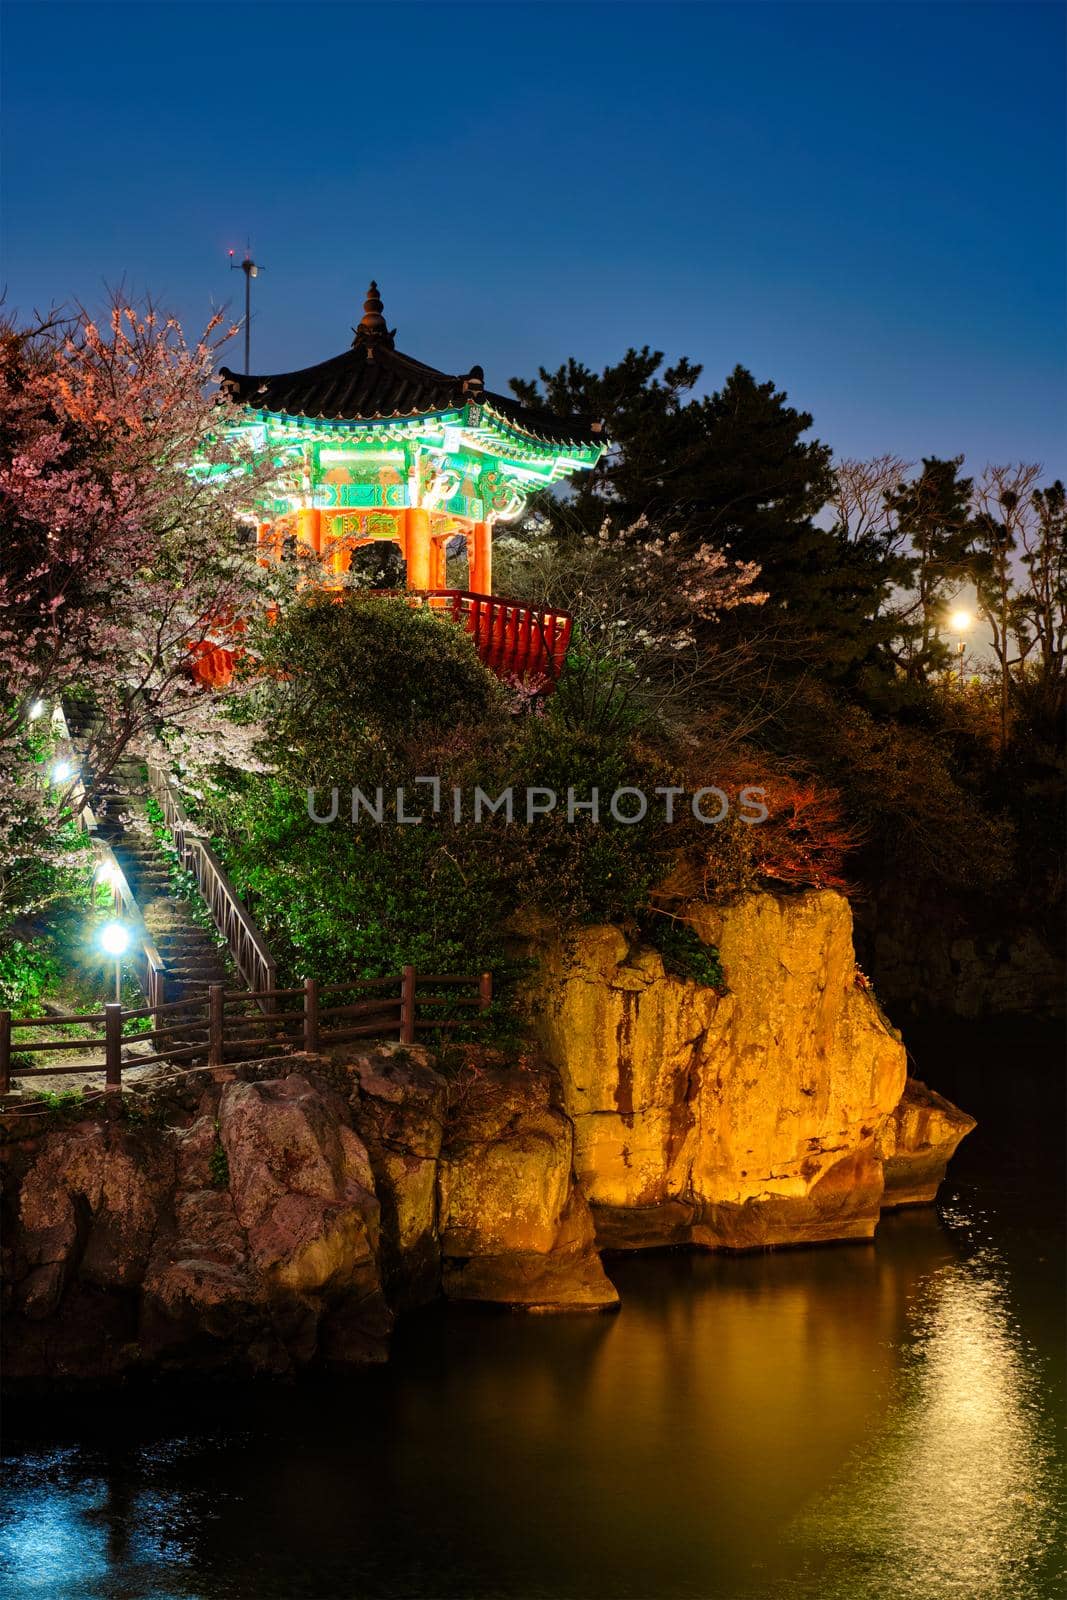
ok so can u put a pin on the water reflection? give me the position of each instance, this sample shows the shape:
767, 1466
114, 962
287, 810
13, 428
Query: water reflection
692, 1446
963, 1475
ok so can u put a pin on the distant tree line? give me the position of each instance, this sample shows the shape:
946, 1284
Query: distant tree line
860, 559
846, 669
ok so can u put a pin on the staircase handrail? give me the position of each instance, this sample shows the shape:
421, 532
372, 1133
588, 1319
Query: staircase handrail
234, 922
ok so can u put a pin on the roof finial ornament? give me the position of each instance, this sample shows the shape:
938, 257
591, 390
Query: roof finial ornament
372, 325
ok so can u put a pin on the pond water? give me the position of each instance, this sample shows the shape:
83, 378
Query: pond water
844, 1422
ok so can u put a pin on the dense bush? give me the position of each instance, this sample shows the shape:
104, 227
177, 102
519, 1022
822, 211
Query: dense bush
350, 677
28, 969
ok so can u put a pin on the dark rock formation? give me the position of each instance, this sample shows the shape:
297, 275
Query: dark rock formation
247, 1238
399, 1107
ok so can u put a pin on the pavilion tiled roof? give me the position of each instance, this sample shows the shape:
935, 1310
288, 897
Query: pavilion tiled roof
373, 381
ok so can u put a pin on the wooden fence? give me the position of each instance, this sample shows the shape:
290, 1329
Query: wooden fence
232, 1024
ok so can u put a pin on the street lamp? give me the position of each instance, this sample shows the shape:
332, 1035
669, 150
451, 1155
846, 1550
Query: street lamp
960, 622
114, 940
62, 772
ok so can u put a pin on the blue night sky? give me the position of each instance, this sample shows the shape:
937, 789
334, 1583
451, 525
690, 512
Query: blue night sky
863, 202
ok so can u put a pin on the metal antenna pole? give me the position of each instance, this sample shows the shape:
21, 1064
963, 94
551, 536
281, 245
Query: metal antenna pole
251, 269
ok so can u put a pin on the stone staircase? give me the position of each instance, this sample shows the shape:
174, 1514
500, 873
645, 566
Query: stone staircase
192, 952
180, 926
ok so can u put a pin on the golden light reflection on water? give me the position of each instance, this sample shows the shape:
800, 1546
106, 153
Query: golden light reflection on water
850, 1423
956, 1496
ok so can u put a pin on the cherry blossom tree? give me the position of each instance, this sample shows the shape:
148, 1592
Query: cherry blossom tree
645, 604
122, 484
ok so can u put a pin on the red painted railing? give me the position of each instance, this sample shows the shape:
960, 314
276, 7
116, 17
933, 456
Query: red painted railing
512, 638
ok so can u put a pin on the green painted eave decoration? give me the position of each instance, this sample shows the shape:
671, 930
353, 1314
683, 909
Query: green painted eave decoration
473, 431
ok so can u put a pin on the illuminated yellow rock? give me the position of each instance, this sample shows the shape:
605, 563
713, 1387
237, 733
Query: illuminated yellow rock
917, 1142
732, 1120
515, 1228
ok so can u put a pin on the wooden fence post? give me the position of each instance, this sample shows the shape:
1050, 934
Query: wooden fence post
112, 1048
311, 1015
485, 991
270, 972
216, 1040
5, 1051
407, 1006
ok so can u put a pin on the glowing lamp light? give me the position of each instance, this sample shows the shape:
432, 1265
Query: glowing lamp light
105, 872
114, 938
62, 772
36, 710
960, 621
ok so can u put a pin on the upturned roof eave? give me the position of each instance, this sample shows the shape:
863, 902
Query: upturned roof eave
459, 414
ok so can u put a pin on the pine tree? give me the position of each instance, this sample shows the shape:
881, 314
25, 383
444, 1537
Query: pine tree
934, 512
732, 470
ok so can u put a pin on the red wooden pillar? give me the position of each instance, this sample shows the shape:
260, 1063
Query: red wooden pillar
417, 547
340, 550
438, 564
309, 529
266, 544
480, 558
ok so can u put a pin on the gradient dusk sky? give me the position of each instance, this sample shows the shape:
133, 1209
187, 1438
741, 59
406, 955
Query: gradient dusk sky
864, 202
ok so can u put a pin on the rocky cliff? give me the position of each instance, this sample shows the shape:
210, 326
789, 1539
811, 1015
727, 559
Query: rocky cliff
284, 1216
730, 1120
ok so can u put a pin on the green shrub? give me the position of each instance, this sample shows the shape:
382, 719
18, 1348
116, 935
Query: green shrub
66, 1104
27, 971
351, 679
685, 955
219, 1164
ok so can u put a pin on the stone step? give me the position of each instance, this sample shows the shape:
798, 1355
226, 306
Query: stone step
191, 955
188, 950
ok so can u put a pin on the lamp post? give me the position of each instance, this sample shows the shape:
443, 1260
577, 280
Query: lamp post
114, 940
960, 622
251, 269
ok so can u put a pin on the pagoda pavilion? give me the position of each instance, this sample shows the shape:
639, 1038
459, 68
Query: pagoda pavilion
374, 445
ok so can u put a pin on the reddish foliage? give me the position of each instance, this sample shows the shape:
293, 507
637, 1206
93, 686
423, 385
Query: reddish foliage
806, 838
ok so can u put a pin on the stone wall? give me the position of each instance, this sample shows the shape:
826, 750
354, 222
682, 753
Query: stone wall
933, 953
